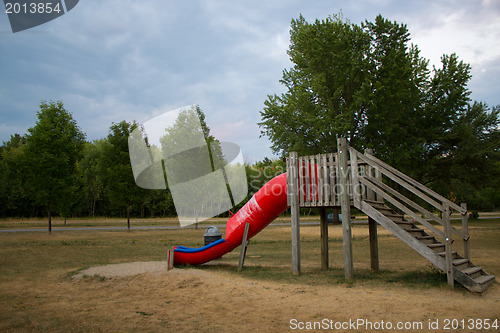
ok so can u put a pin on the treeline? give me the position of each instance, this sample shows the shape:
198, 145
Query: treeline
53, 169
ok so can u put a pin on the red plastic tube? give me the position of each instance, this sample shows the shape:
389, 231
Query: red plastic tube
263, 208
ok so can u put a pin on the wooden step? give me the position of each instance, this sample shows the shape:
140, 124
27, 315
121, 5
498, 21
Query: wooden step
405, 224
383, 208
484, 279
436, 247
472, 271
416, 232
375, 204
393, 216
454, 255
461, 263
426, 239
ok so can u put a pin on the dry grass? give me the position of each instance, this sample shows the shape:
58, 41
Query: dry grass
37, 292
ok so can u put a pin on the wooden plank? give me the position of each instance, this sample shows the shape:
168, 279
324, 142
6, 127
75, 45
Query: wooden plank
356, 195
313, 184
301, 178
465, 230
319, 181
447, 246
337, 180
403, 235
324, 239
170, 259
380, 193
372, 229
413, 182
244, 245
333, 165
307, 181
390, 174
326, 180
295, 212
343, 150
289, 179
370, 195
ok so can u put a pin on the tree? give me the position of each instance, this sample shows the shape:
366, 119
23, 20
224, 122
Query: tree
13, 194
93, 153
115, 169
398, 80
324, 98
369, 85
53, 147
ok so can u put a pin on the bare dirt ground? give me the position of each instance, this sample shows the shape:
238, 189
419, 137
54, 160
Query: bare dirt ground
187, 300
99, 282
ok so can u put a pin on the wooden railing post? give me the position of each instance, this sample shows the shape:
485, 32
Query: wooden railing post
345, 203
293, 200
370, 195
465, 229
324, 238
448, 242
372, 224
356, 186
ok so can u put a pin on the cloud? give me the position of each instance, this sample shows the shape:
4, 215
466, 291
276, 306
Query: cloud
465, 27
130, 60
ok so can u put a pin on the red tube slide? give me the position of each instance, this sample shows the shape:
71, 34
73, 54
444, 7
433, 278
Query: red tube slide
264, 206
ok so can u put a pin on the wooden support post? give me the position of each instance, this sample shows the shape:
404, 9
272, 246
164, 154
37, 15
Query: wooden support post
372, 224
293, 187
372, 228
448, 241
465, 229
170, 259
343, 150
324, 238
244, 245
336, 212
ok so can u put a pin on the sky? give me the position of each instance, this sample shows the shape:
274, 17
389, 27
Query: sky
117, 60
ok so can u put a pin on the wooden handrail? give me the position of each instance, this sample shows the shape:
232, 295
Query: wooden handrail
402, 182
416, 184
386, 196
408, 182
383, 187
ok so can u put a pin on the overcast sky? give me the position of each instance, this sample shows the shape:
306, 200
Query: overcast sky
117, 60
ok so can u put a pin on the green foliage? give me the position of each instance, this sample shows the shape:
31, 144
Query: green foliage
12, 190
115, 170
324, 97
53, 148
367, 83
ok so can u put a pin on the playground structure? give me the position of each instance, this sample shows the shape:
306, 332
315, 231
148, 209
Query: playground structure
348, 179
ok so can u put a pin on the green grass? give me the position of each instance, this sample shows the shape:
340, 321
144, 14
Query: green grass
29, 255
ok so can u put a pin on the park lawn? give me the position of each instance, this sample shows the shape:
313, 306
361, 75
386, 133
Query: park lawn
38, 293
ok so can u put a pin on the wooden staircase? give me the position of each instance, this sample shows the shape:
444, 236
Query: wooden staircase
349, 178
465, 272
376, 186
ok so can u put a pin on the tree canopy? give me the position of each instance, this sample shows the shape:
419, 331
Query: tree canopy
369, 84
53, 148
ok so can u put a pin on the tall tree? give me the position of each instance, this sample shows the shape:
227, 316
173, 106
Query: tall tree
115, 169
369, 85
398, 79
53, 147
93, 153
324, 97
13, 194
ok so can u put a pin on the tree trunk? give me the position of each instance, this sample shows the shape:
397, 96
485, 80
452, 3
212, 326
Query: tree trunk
50, 218
128, 215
